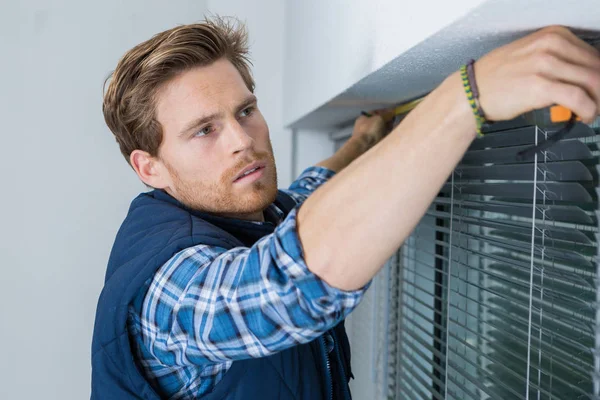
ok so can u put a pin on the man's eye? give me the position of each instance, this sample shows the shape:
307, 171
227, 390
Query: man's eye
205, 131
247, 112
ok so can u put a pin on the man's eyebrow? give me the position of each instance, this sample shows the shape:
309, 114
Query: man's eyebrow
202, 120
197, 122
249, 100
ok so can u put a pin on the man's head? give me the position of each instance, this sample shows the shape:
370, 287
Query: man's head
182, 108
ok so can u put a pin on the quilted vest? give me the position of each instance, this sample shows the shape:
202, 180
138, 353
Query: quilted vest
156, 228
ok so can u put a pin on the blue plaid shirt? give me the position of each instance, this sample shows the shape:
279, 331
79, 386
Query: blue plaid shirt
208, 306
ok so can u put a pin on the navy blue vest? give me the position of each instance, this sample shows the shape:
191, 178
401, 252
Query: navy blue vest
156, 228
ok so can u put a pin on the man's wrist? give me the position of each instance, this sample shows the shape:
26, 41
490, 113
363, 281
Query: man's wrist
351, 150
461, 113
360, 144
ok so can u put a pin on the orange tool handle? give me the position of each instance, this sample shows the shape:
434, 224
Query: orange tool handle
560, 114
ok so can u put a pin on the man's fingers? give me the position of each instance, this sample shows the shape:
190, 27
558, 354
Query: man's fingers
571, 50
563, 57
556, 37
577, 41
571, 96
558, 69
386, 113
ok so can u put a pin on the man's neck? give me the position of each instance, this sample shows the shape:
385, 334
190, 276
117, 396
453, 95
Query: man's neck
258, 216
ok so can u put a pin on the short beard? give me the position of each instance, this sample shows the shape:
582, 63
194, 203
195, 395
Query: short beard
212, 197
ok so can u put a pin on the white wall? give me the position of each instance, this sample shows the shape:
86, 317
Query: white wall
330, 45
310, 147
65, 186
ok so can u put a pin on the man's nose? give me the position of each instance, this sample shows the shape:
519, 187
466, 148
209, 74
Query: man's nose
238, 138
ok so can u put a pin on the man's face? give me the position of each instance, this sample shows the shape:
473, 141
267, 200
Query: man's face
212, 133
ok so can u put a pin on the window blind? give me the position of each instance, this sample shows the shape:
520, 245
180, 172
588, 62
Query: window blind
497, 285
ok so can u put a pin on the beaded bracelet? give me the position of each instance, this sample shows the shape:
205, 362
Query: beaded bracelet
470, 86
473, 82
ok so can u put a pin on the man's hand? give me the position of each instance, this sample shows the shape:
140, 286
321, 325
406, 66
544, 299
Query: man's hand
367, 132
370, 130
550, 66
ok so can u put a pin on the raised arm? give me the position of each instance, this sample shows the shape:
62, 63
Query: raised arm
350, 226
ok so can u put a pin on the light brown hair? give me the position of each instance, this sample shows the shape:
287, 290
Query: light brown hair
130, 97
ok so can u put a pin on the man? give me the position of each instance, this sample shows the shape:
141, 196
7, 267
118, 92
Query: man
221, 287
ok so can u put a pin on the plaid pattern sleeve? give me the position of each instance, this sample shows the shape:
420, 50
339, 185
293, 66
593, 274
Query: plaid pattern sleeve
308, 182
208, 306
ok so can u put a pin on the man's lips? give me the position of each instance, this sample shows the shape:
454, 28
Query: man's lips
249, 170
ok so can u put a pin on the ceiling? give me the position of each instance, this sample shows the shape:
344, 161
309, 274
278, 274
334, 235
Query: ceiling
420, 69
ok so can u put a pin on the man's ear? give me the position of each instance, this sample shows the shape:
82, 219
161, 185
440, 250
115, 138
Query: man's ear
150, 169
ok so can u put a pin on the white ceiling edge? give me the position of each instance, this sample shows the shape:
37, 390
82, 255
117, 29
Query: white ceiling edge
423, 67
